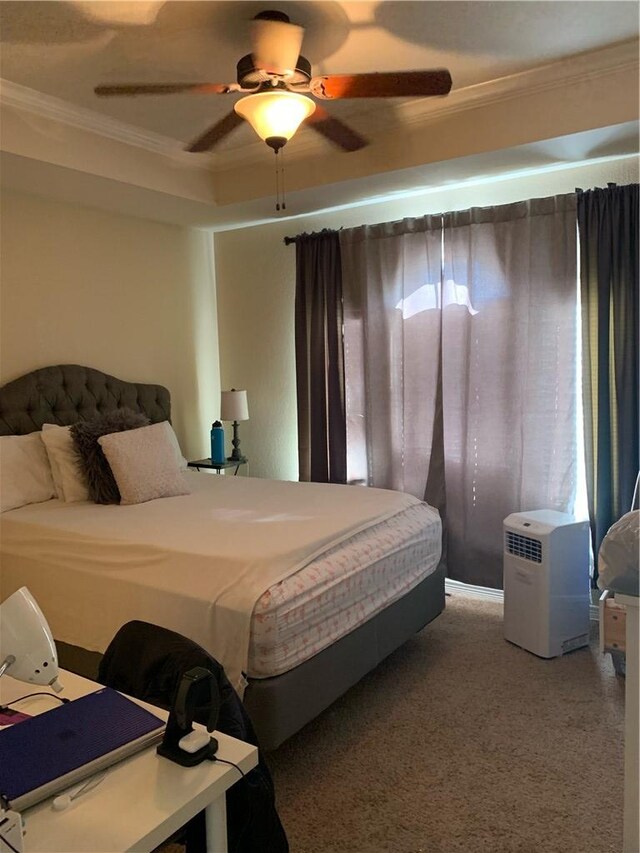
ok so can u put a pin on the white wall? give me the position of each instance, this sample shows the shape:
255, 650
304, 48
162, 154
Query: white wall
255, 274
133, 298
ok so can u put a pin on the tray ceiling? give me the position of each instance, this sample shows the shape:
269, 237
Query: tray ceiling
64, 49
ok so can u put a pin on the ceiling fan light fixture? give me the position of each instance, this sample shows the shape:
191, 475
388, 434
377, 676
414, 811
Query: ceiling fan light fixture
275, 115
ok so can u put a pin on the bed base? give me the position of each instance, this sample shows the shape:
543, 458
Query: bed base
282, 705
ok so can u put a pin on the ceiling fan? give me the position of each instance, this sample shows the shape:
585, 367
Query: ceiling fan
276, 82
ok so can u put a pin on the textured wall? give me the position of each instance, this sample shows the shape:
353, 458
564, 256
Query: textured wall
130, 297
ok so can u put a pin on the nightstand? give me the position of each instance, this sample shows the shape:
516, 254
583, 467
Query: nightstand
219, 467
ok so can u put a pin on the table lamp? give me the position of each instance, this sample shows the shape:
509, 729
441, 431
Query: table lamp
27, 649
233, 407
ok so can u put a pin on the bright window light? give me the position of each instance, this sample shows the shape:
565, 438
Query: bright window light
427, 298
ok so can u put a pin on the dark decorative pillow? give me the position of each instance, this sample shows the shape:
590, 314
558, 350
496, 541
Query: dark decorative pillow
101, 483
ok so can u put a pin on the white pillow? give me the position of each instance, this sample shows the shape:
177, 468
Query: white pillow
173, 438
25, 473
69, 480
144, 464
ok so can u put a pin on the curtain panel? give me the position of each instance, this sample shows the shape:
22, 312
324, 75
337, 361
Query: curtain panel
392, 302
460, 367
509, 374
319, 358
608, 231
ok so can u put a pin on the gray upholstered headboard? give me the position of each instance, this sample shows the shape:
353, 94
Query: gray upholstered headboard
68, 393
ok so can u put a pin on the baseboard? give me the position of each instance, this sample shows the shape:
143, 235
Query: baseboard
469, 589
451, 585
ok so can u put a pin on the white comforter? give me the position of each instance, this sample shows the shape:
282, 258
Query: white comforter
196, 563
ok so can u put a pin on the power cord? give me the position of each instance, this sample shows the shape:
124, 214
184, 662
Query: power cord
249, 820
62, 699
8, 843
10, 828
63, 801
224, 761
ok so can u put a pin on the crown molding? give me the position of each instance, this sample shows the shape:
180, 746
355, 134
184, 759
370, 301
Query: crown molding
56, 109
623, 56
582, 67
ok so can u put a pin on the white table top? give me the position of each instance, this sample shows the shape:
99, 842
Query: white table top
141, 801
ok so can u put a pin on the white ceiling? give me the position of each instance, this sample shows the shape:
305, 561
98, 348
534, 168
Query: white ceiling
64, 49
537, 85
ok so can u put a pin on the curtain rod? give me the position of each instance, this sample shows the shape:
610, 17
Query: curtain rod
288, 240
610, 184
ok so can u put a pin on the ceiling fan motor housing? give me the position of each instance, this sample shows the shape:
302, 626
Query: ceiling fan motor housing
272, 15
249, 76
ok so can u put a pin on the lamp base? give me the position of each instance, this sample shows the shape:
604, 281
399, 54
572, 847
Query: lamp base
236, 456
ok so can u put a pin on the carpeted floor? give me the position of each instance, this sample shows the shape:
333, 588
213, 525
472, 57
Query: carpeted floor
462, 742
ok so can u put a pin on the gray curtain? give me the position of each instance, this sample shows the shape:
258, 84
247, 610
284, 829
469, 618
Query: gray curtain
460, 363
319, 358
392, 307
509, 374
608, 228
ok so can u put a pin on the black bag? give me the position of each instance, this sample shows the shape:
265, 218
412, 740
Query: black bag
148, 662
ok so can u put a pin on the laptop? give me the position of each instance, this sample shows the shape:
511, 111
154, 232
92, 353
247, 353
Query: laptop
45, 754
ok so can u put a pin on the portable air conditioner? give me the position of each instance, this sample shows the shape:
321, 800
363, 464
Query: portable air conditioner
546, 582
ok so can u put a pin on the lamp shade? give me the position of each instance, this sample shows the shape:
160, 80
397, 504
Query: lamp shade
276, 114
233, 406
26, 641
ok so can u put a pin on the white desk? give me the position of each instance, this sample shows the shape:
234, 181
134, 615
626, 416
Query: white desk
631, 840
141, 801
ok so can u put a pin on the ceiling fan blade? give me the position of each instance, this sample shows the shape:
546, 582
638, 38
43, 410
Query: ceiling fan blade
335, 131
392, 84
165, 89
214, 134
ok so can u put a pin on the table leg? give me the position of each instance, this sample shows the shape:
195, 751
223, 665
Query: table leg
631, 826
216, 819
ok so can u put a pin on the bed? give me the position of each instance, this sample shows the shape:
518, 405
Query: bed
330, 580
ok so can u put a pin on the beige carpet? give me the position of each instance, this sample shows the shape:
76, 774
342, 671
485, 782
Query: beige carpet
462, 742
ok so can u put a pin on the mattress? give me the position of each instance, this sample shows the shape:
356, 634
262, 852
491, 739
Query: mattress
229, 565
339, 591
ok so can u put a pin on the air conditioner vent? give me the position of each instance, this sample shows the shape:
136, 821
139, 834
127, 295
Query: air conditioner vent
524, 546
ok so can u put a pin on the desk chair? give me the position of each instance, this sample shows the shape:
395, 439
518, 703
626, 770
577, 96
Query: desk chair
147, 661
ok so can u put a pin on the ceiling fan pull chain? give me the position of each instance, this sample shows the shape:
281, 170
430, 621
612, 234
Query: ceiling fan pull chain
280, 202
284, 206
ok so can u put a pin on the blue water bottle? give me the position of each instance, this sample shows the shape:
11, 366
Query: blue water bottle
217, 443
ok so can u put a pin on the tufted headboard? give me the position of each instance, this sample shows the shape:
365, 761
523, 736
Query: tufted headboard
68, 393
